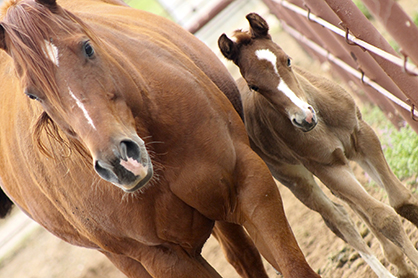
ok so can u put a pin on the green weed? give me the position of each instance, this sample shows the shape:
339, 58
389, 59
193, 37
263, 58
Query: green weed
399, 146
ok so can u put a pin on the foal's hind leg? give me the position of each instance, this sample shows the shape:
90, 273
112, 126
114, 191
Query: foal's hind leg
302, 184
239, 250
392, 252
370, 157
342, 182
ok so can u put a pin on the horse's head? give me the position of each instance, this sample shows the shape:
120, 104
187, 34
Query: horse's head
86, 93
268, 71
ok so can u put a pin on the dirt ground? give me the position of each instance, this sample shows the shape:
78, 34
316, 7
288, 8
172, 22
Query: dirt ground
45, 256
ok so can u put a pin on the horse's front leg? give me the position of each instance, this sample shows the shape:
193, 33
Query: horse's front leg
130, 267
260, 210
239, 250
370, 157
172, 261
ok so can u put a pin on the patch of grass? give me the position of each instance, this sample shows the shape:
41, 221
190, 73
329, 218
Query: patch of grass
400, 147
402, 153
415, 18
363, 9
148, 5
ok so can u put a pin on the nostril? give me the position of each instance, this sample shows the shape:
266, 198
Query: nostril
129, 149
312, 110
104, 172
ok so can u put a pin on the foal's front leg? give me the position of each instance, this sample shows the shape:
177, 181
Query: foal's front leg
370, 157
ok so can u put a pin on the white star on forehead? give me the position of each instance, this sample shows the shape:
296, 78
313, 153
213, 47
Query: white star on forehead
51, 52
265, 54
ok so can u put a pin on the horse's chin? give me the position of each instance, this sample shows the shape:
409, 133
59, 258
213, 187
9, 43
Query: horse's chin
140, 184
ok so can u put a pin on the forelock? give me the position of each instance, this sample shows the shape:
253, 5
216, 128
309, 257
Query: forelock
242, 37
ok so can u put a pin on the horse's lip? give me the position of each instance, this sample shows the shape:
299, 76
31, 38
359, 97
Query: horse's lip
140, 184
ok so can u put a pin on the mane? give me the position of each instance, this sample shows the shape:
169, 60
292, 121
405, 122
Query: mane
27, 24
242, 37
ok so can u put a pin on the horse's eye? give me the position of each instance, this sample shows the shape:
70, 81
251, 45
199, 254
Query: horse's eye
289, 63
31, 96
253, 87
88, 49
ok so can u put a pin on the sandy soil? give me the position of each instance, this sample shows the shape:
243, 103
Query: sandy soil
43, 255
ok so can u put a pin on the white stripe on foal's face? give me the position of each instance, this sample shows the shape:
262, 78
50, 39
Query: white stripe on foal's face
51, 52
81, 106
266, 54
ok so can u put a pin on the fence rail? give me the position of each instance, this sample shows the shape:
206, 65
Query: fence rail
351, 44
338, 32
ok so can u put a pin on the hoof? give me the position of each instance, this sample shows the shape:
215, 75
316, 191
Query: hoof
409, 212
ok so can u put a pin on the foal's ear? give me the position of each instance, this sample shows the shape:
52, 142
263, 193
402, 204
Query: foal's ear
228, 47
259, 27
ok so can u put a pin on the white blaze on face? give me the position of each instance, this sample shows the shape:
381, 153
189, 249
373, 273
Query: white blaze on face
51, 52
266, 54
81, 106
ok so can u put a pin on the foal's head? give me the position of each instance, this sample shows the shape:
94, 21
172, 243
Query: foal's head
64, 67
268, 71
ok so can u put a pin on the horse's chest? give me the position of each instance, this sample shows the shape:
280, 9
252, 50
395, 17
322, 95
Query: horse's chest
163, 218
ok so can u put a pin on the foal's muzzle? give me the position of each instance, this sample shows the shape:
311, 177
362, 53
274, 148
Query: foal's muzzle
128, 167
305, 120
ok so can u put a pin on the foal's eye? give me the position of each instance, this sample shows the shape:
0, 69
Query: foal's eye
289, 63
253, 87
88, 49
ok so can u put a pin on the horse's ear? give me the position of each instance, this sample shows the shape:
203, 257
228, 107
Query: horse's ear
228, 47
47, 2
2, 37
259, 27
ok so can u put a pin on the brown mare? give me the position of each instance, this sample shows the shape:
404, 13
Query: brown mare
304, 125
115, 134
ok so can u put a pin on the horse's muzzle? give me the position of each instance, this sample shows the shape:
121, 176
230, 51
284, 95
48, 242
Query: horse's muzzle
129, 167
